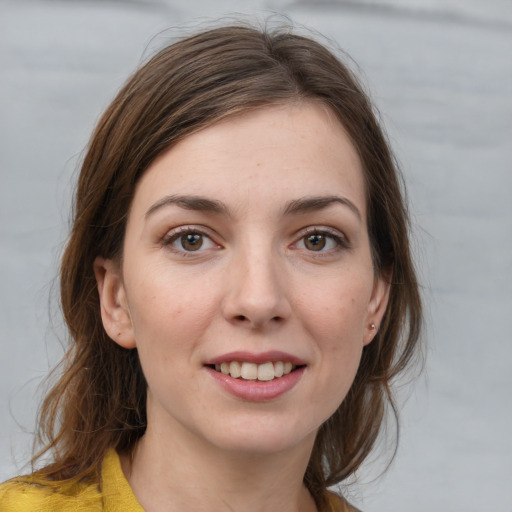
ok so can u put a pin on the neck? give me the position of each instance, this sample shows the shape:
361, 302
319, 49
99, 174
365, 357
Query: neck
176, 473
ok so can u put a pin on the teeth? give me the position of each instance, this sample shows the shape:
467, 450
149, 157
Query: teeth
266, 371
252, 371
249, 371
235, 369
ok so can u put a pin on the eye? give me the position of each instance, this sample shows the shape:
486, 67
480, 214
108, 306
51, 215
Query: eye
321, 241
188, 240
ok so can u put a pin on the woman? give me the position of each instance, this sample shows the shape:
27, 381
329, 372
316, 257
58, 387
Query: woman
237, 284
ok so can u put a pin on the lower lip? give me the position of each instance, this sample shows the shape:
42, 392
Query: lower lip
256, 390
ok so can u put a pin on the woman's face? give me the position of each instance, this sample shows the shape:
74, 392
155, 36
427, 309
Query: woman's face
247, 255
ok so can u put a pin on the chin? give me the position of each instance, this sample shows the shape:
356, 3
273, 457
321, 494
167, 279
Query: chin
263, 436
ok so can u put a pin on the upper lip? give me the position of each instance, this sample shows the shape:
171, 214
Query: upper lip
257, 358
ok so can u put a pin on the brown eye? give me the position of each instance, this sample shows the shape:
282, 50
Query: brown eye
191, 241
322, 242
188, 240
315, 242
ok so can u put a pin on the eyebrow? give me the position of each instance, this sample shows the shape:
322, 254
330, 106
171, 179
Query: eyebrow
315, 203
295, 207
197, 203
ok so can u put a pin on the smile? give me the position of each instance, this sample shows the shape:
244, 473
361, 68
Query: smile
257, 377
251, 371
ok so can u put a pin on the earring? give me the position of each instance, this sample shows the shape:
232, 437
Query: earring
373, 327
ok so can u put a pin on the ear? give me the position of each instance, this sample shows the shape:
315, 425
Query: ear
115, 313
377, 306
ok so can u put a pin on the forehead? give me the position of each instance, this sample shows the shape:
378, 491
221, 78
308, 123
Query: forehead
276, 152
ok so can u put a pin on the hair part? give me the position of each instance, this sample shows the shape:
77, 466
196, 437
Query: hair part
99, 402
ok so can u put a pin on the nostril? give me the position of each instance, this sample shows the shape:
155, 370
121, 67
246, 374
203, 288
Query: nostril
256, 322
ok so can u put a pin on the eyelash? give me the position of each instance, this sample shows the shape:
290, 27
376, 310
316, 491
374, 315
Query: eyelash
169, 239
340, 240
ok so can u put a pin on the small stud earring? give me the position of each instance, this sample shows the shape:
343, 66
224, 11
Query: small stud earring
373, 327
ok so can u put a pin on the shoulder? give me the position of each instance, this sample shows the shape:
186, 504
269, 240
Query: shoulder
25, 494
338, 504
110, 492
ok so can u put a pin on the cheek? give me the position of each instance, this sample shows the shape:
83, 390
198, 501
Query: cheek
335, 317
337, 310
168, 307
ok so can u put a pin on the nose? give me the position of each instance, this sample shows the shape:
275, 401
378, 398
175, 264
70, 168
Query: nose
256, 290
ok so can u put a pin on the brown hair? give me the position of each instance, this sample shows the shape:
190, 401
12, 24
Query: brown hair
99, 401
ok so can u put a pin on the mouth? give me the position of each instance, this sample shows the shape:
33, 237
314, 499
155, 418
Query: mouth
257, 377
265, 372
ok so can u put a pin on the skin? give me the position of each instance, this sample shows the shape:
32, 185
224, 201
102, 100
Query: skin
256, 284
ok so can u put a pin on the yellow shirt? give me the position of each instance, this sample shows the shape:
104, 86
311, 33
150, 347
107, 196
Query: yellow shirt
114, 494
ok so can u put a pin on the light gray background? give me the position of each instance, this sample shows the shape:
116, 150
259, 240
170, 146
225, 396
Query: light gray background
441, 74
